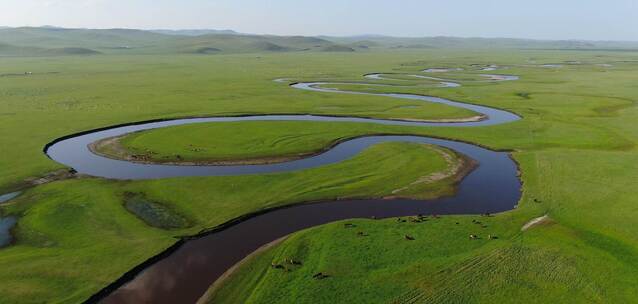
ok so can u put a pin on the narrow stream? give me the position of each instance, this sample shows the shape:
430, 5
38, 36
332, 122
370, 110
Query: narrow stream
9, 196
6, 224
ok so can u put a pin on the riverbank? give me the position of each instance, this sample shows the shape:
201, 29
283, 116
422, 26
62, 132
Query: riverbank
218, 283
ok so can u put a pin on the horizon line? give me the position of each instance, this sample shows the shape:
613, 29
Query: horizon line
318, 35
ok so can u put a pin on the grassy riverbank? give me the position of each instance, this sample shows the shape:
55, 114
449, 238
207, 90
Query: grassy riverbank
576, 147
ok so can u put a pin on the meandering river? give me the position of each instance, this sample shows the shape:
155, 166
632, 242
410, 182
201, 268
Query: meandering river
184, 272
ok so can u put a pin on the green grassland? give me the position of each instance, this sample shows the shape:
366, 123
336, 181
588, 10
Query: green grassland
65, 95
245, 142
576, 147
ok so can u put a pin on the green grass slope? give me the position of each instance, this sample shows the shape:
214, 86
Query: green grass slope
243, 142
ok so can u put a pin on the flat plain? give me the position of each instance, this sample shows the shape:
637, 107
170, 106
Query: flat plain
575, 146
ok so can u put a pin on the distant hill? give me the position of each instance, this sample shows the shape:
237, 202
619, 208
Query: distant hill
61, 37
268, 46
32, 41
199, 32
207, 50
337, 48
480, 43
71, 51
226, 43
55, 41
12, 50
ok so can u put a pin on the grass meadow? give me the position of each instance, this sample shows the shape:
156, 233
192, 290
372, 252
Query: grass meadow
576, 147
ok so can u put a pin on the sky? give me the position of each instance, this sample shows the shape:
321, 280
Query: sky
536, 19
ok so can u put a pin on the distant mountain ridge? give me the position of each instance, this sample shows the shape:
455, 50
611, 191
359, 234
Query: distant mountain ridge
51, 40
478, 42
195, 32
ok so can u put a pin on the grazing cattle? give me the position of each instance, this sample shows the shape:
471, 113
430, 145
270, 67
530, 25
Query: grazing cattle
409, 238
473, 237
